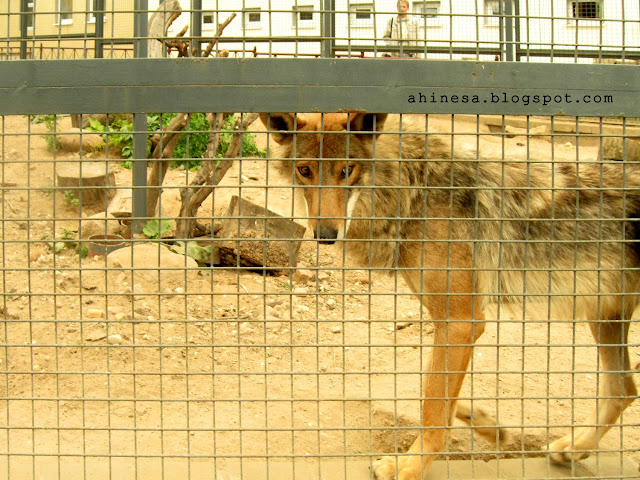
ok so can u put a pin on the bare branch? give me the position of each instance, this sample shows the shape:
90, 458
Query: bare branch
159, 24
214, 40
209, 175
164, 147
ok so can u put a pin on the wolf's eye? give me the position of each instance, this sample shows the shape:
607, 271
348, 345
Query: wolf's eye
304, 171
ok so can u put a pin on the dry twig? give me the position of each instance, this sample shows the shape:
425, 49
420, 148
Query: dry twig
214, 40
209, 175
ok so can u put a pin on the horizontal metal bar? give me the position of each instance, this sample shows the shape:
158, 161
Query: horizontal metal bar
523, 51
429, 49
324, 85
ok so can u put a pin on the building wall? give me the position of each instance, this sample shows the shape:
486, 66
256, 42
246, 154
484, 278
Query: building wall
459, 23
118, 24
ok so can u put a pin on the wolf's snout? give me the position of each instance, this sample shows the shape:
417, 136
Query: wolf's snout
326, 235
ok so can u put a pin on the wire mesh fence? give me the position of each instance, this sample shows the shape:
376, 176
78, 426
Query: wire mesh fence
296, 295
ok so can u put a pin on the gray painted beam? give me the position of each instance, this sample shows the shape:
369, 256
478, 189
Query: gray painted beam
303, 85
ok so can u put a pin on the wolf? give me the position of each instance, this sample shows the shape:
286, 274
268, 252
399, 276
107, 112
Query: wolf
465, 232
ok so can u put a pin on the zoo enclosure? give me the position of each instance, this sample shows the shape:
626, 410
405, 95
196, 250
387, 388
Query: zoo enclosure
229, 371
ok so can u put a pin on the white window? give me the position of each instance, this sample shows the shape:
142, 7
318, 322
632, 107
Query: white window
65, 12
252, 17
585, 10
207, 20
429, 12
29, 12
361, 14
91, 15
428, 9
303, 16
492, 11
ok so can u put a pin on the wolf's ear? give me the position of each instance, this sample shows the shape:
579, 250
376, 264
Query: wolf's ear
284, 125
367, 122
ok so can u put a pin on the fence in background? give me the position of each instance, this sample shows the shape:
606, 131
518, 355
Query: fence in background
572, 31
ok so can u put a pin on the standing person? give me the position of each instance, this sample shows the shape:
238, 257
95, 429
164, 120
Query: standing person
402, 30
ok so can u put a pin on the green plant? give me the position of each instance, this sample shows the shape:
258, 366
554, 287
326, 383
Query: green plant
156, 228
66, 239
192, 145
52, 138
249, 147
117, 135
202, 255
36, 119
71, 198
82, 250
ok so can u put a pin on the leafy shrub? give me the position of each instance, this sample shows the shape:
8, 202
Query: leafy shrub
156, 228
192, 144
119, 134
51, 122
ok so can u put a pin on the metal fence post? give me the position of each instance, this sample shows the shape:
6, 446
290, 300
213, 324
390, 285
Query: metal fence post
24, 8
98, 11
196, 27
139, 176
508, 26
327, 27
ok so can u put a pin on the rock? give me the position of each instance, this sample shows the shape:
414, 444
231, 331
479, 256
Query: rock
271, 313
75, 139
37, 253
148, 259
541, 131
100, 224
303, 276
618, 148
95, 313
114, 339
254, 226
95, 336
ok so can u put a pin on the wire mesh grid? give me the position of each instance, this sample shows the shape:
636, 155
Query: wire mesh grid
218, 335
286, 359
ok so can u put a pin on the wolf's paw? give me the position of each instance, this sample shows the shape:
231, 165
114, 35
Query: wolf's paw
570, 448
402, 468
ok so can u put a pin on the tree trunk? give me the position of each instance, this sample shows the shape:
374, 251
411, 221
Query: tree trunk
165, 144
159, 22
209, 175
87, 182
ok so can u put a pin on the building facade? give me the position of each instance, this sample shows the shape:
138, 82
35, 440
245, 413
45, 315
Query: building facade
456, 29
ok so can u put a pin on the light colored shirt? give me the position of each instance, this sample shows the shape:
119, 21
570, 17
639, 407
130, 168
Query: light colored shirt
402, 32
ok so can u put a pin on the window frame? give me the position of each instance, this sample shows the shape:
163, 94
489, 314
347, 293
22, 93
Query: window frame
356, 8
64, 17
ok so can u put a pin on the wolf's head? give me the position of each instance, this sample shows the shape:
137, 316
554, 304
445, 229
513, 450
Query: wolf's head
329, 157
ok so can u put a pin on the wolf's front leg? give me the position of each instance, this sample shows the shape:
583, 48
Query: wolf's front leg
409, 467
449, 361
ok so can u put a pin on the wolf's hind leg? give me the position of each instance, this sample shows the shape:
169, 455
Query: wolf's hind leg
617, 391
482, 422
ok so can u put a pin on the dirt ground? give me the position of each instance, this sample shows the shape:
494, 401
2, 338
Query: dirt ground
102, 374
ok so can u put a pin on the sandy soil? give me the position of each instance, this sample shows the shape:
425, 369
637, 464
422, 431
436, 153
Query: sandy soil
220, 364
